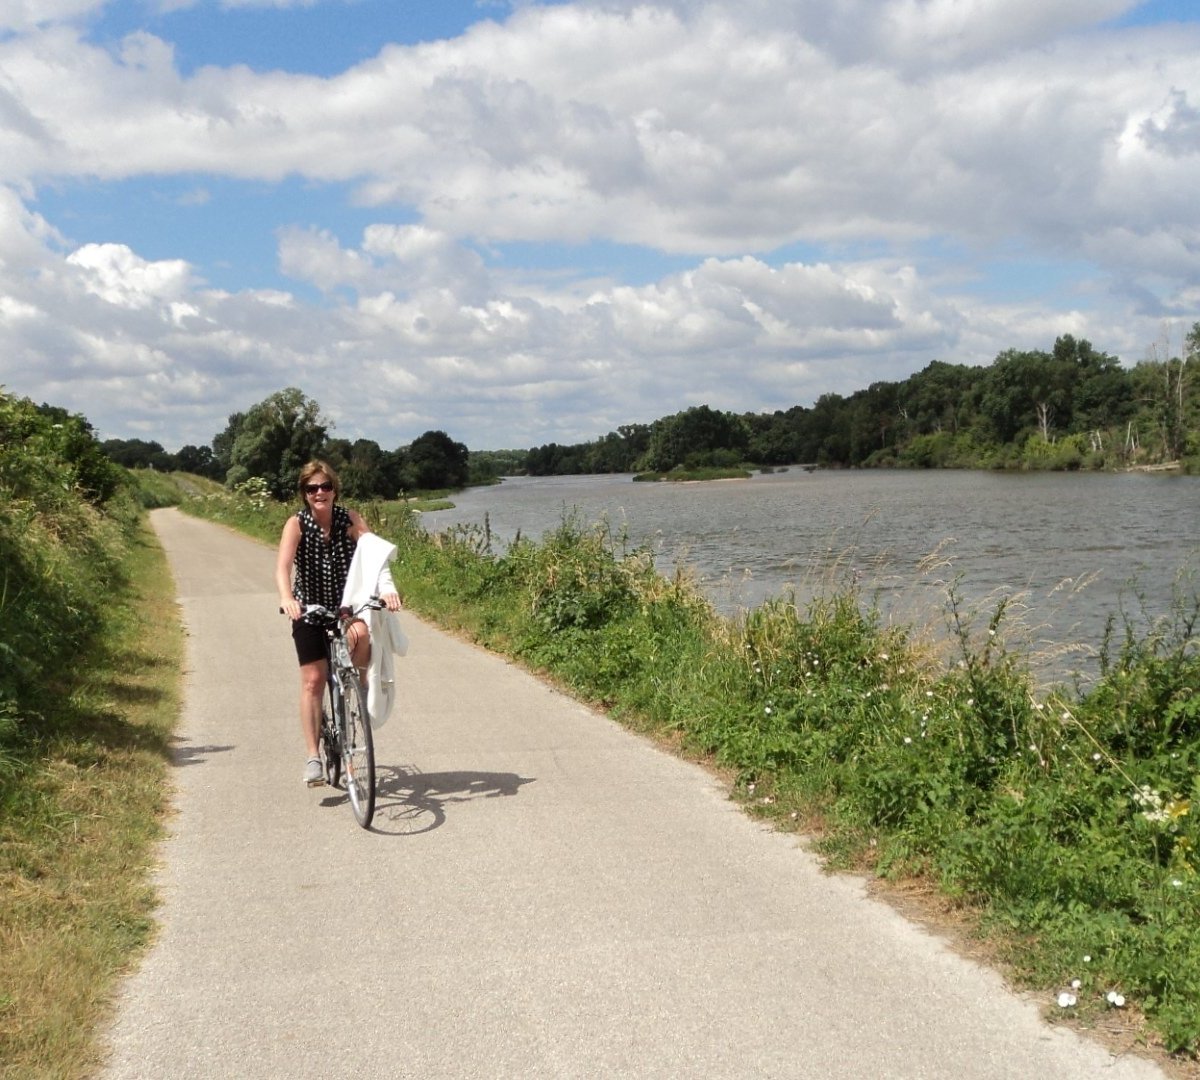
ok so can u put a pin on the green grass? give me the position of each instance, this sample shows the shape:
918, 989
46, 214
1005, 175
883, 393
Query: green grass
81, 803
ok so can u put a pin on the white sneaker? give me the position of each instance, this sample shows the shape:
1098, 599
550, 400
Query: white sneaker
314, 775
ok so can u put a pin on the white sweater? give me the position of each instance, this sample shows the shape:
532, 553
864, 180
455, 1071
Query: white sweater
369, 576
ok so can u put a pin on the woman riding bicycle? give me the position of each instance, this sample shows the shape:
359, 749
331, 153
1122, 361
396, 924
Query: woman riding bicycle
314, 557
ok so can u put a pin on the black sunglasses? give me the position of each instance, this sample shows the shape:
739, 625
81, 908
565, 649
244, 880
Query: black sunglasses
312, 489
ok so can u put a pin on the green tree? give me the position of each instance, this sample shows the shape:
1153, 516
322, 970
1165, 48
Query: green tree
693, 437
138, 454
273, 439
435, 461
199, 460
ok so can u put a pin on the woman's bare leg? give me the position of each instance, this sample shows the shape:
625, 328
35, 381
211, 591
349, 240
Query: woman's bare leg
312, 688
360, 648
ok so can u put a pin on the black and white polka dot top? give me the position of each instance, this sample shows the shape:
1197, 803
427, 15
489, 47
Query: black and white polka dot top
321, 565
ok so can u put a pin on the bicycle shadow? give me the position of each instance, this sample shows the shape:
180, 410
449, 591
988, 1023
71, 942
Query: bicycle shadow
409, 802
182, 753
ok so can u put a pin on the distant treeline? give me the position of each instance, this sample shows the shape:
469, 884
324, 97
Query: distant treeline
1070, 408
275, 438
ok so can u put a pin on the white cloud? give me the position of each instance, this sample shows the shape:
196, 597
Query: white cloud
24, 15
115, 274
872, 133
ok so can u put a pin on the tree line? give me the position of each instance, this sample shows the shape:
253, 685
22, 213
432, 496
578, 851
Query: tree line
273, 439
1071, 407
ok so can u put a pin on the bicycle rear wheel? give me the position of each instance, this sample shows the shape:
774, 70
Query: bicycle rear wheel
358, 752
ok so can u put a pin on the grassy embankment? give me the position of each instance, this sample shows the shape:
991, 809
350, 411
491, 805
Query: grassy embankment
1060, 826
90, 651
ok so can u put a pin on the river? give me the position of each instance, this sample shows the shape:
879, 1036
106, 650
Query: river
1067, 549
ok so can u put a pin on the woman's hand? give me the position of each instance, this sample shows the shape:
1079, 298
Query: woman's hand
393, 601
291, 608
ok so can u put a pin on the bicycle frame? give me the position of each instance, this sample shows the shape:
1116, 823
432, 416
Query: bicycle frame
346, 742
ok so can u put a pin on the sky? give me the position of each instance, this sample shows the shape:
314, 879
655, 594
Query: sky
532, 222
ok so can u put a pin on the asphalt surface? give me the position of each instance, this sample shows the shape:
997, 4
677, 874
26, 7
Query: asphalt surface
542, 895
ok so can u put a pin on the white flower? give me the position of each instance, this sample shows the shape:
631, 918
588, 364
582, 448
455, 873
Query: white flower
1096, 757
907, 740
1075, 984
1087, 959
1117, 1001
970, 701
1066, 999
929, 693
767, 710
1177, 883
883, 656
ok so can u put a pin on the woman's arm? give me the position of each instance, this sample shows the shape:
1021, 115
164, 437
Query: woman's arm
289, 542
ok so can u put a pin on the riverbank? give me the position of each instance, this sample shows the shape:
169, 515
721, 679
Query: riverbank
1060, 823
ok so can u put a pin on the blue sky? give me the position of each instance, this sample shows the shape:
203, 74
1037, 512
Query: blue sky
535, 223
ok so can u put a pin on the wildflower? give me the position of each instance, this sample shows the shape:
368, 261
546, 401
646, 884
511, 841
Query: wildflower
970, 702
1066, 1000
1152, 803
883, 656
1177, 883
1066, 716
767, 710
929, 693
1117, 1001
907, 740
1087, 959
1076, 984
1096, 756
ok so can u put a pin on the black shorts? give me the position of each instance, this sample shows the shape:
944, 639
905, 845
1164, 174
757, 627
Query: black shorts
311, 643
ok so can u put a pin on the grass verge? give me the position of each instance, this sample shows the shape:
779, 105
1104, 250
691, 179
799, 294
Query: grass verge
81, 805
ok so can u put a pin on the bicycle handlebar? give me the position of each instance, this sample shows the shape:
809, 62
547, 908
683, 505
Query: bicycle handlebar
316, 613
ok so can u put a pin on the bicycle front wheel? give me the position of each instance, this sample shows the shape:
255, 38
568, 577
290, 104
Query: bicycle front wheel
358, 752
331, 757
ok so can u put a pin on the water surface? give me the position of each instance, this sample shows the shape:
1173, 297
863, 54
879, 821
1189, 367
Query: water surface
1068, 549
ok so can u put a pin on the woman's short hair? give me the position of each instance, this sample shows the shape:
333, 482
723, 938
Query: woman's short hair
310, 470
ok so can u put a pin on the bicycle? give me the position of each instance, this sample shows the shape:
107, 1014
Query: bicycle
345, 741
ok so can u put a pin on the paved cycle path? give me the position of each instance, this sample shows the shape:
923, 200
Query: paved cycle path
542, 895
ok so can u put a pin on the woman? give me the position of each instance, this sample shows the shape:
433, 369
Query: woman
318, 544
